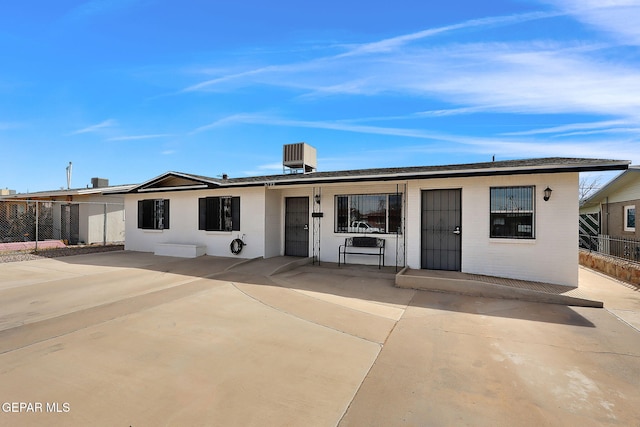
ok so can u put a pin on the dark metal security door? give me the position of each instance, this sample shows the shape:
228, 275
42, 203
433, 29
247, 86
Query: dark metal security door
441, 229
296, 226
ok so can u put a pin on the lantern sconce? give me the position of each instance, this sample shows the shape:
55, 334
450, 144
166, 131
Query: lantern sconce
547, 194
317, 198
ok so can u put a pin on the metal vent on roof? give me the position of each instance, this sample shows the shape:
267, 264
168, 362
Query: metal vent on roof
99, 182
299, 157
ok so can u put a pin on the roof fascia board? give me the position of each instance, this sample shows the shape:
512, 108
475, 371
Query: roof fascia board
307, 179
144, 187
610, 186
66, 193
179, 188
429, 175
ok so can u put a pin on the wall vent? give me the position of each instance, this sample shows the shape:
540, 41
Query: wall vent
299, 157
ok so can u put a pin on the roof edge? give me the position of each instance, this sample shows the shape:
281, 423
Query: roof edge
509, 167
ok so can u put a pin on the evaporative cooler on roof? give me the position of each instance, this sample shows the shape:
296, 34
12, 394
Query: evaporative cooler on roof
299, 157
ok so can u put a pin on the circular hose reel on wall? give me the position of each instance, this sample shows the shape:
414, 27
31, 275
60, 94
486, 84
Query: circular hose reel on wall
236, 246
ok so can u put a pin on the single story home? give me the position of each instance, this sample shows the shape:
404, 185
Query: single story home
615, 205
75, 216
514, 219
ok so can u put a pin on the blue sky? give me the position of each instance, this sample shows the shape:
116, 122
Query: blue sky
130, 89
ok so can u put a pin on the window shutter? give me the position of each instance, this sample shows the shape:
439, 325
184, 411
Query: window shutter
202, 214
213, 214
146, 212
235, 213
166, 214
140, 213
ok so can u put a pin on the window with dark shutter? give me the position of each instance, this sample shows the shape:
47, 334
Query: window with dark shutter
219, 213
153, 214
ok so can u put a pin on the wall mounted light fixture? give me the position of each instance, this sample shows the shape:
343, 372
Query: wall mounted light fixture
547, 194
317, 198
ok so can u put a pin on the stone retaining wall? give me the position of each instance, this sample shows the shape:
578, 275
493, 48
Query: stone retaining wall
622, 270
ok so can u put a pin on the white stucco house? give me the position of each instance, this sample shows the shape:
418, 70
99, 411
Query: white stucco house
491, 218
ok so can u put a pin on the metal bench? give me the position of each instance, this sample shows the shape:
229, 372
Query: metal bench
375, 244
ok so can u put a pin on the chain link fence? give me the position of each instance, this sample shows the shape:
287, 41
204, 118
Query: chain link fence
43, 224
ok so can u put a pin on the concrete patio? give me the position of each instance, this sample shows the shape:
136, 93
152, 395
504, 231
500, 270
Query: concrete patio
493, 287
125, 338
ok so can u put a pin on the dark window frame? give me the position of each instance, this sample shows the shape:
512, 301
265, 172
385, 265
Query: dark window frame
153, 214
219, 213
512, 212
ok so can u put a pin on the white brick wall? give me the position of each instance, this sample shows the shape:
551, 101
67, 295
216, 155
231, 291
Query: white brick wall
551, 257
183, 222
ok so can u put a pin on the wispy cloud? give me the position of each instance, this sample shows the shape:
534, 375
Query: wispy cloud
618, 18
542, 76
456, 111
139, 137
333, 125
524, 78
518, 77
230, 77
572, 127
630, 130
236, 118
365, 49
503, 146
394, 43
94, 128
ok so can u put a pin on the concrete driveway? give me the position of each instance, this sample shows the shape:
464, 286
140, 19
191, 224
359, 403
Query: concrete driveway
126, 338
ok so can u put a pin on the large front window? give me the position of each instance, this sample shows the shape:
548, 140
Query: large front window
368, 213
512, 212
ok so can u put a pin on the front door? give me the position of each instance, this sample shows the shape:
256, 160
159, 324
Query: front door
441, 229
296, 226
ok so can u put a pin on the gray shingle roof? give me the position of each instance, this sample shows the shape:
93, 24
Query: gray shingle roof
505, 167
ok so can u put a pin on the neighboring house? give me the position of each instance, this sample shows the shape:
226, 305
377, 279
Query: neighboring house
484, 218
77, 216
615, 205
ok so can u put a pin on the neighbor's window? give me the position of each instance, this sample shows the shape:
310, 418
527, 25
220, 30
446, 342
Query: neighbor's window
512, 212
630, 218
368, 213
219, 213
153, 214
